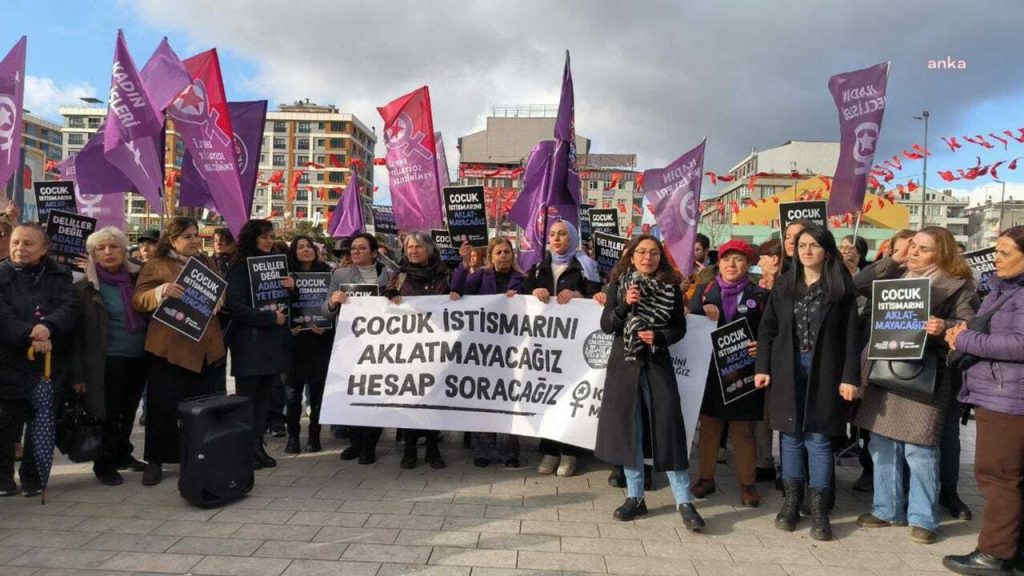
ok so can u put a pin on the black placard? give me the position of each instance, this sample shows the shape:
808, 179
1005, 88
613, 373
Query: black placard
607, 251
604, 220
983, 263
467, 216
813, 211
584, 215
448, 253
265, 274
312, 289
54, 195
384, 219
67, 232
190, 315
733, 363
899, 310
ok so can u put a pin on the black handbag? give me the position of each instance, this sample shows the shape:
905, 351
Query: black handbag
961, 360
79, 434
913, 378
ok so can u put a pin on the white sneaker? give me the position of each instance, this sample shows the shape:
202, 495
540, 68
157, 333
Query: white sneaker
547, 464
567, 467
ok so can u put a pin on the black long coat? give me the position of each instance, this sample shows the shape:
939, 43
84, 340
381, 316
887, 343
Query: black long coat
751, 406
836, 360
311, 353
258, 345
573, 278
25, 301
664, 432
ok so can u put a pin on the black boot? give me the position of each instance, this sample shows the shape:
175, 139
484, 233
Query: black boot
617, 479
313, 442
691, 518
263, 458
368, 452
292, 447
977, 562
821, 528
950, 500
789, 515
648, 477
433, 455
630, 509
409, 457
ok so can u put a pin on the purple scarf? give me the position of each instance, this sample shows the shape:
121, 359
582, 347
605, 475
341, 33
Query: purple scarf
730, 295
133, 321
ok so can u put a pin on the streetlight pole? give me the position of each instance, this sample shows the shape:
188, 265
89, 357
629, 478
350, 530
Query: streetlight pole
924, 176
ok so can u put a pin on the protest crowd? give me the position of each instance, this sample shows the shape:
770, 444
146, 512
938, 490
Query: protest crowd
820, 349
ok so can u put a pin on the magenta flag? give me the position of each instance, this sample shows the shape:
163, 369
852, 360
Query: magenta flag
107, 209
536, 209
860, 100
201, 116
674, 194
412, 161
132, 122
247, 120
347, 219
444, 180
12, 93
165, 76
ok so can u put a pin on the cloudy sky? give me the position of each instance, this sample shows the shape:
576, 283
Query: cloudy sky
651, 77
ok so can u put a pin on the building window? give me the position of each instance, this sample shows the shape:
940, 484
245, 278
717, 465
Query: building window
319, 142
94, 122
337, 177
302, 143
304, 178
280, 126
319, 159
278, 159
320, 126
337, 142
75, 139
337, 126
303, 127
279, 142
76, 122
263, 158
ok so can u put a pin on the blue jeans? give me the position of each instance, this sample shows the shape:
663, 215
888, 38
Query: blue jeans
679, 480
818, 447
890, 502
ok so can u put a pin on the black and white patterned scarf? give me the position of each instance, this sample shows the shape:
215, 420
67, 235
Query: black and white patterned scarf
653, 311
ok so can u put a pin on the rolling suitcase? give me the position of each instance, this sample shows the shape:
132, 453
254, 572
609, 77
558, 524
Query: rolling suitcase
216, 449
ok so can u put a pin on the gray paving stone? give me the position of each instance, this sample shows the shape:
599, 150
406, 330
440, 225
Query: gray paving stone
217, 546
132, 542
151, 562
481, 525
49, 538
300, 550
190, 528
276, 532
602, 546
518, 513
652, 566
467, 557
720, 568
418, 570
326, 568
61, 558
117, 525
452, 538
243, 516
540, 542
311, 504
580, 529
387, 553
560, 561
356, 535
349, 519
233, 566
8, 552
74, 572
372, 507
667, 549
485, 571
27, 520
434, 509
761, 555
404, 522
18, 570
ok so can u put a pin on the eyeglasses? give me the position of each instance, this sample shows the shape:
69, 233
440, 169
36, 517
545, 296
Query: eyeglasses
651, 253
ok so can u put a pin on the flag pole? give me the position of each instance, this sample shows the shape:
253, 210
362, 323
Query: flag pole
856, 226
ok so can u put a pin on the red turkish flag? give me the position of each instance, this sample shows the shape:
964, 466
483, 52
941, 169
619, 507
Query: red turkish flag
952, 143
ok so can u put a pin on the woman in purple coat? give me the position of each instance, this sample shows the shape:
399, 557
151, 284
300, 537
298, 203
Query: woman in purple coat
994, 385
499, 275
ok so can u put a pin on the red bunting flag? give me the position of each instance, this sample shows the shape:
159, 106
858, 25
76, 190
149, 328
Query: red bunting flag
718, 204
828, 182
171, 178
775, 199
947, 175
380, 162
357, 163
640, 181
921, 150
276, 177
332, 159
911, 186
734, 206
895, 162
884, 172
629, 230
952, 143
980, 141
750, 202
912, 155
753, 180
1019, 138
1000, 139
616, 178
713, 177
867, 208
1013, 164
313, 165
992, 169
726, 178
622, 207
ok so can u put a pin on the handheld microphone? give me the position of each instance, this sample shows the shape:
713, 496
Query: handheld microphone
634, 280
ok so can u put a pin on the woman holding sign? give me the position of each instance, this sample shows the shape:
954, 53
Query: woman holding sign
559, 274
499, 275
180, 368
365, 269
992, 354
110, 366
641, 413
421, 274
311, 352
807, 351
731, 297
260, 339
911, 429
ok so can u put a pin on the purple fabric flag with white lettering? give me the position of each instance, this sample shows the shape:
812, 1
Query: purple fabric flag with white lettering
442, 162
347, 219
132, 122
674, 194
247, 119
12, 92
107, 209
565, 178
535, 209
860, 100
165, 76
201, 116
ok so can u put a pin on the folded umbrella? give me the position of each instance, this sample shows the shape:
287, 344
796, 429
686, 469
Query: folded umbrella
41, 428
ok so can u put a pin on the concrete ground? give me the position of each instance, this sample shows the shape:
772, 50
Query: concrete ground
316, 515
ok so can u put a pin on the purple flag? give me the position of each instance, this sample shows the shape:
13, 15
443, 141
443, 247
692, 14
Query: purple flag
132, 122
201, 115
535, 210
444, 180
565, 178
107, 209
12, 91
347, 219
247, 119
412, 161
674, 193
860, 100
165, 76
